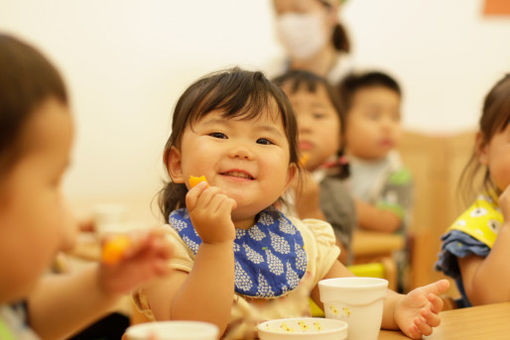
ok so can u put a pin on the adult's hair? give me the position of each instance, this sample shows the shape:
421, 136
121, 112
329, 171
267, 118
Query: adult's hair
340, 38
495, 118
237, 94
27, 79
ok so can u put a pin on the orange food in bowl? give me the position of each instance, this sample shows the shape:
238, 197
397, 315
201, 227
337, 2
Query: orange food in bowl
114, 249
195, 180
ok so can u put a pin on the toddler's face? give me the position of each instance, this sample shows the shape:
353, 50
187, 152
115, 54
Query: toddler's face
318, 125
34, 222
373, 123
248, 159
496, 155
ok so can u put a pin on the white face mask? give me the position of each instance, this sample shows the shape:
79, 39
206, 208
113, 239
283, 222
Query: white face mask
302, 35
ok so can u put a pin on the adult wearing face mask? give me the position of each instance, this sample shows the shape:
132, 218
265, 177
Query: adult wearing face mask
313, 37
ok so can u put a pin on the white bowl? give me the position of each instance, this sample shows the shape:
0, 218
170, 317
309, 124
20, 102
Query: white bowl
303, 329
173, 330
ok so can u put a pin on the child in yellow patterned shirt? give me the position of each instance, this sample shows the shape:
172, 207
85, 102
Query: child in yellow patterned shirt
476, 248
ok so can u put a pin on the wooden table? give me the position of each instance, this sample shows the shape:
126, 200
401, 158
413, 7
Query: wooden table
366, 244
475, 323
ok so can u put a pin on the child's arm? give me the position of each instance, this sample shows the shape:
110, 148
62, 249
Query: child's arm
207, 292
63, 304
415, 313
373, 218
487, 280
387, 214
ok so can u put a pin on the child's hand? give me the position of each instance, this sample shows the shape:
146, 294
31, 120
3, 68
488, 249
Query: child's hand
416, 312
144, 258
504, 204
210, 211
307, 197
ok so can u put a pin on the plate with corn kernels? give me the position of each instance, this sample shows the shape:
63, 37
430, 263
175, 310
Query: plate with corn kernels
303, 329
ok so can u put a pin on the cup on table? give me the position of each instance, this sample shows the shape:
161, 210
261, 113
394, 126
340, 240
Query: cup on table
173, 330
109, 218
356, 300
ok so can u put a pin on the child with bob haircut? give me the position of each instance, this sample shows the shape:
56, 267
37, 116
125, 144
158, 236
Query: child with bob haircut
36, 133
475, 249
238, 260
323, 193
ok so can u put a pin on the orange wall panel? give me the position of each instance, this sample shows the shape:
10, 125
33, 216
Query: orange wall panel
496, 7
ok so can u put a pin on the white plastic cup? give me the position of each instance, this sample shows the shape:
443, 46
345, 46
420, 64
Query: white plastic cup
110, 218
173, 330
356, 300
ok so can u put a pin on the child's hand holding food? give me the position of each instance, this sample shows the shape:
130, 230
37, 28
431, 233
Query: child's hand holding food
127, 260
210, 212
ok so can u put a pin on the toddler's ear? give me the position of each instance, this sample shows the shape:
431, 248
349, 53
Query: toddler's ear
481, 145
173, 165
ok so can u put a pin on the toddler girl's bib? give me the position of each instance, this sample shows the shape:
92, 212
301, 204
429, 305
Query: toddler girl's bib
269, 256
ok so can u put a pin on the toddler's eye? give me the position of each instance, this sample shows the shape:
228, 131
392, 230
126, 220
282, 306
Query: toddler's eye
218, 135
264, 141
318, 115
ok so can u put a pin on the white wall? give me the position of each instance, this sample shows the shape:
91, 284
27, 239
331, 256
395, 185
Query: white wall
126, 63
445, 53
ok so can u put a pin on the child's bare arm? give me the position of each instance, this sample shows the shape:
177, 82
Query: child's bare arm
486, 280
62, 304
373, 218
206, 293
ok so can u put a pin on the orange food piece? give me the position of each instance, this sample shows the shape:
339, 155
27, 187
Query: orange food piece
195, 180
303, 159
114, 249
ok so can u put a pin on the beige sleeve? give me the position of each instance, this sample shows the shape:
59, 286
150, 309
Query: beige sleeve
182, 259
320, 246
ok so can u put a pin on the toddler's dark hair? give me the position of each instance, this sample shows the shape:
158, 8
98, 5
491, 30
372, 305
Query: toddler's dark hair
239, 94
27, 79
354, 82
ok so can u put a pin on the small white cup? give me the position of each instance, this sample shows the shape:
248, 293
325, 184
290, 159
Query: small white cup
110, 218
356, 300
173, 330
